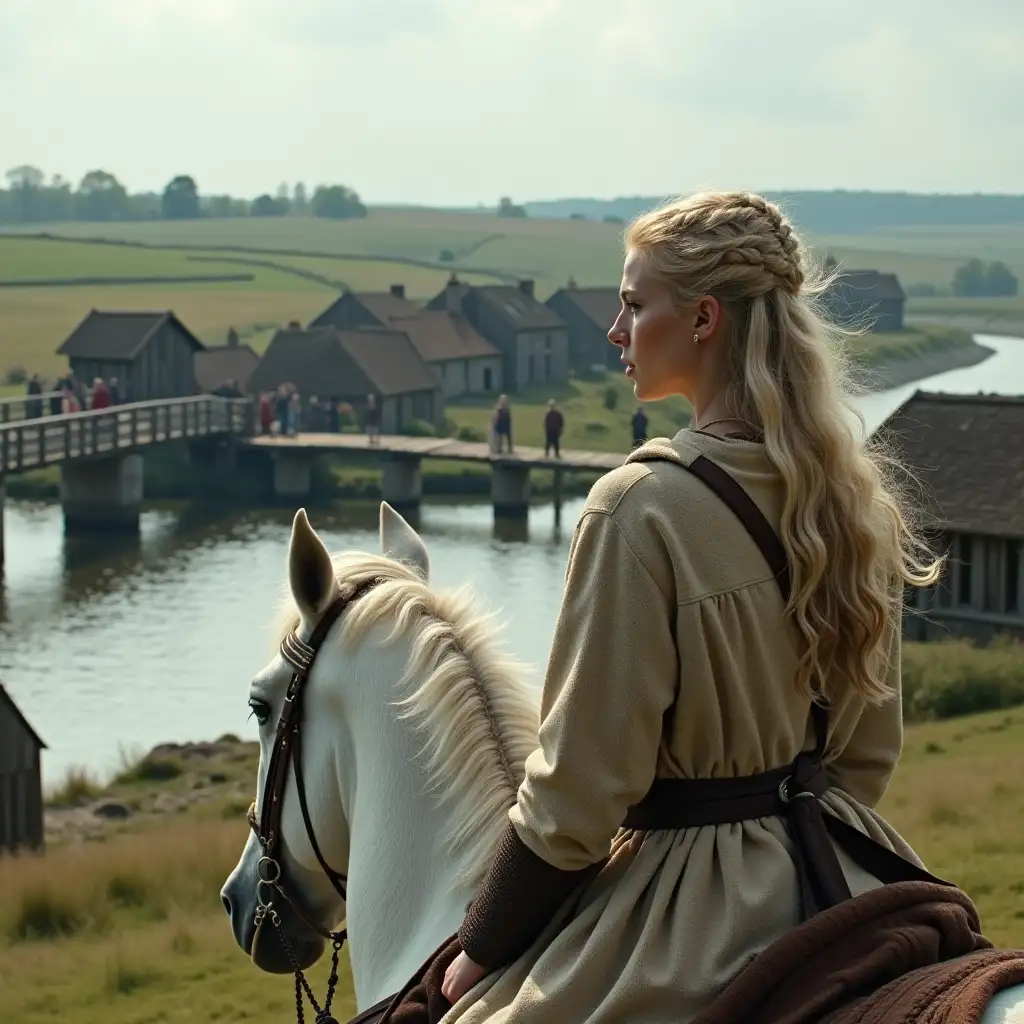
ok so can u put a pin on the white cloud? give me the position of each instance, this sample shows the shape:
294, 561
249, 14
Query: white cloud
459, 100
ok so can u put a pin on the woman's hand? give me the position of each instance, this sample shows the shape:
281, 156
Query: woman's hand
461, 976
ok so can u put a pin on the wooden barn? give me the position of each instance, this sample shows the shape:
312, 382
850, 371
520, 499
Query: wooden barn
866, 298
966, 453
152, 355
589, 314
21, 782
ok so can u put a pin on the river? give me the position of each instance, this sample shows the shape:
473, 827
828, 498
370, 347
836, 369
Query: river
110, 649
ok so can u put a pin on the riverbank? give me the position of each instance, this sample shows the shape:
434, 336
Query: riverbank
1005, 325
957, 354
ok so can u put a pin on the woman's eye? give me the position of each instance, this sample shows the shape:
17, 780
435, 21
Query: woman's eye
261, 709
632, 307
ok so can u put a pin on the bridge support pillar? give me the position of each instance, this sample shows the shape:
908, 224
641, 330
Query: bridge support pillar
101, 496
3, 497
402, 485
293, 474
510, 490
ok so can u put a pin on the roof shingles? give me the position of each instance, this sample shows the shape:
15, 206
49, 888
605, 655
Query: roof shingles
967, 453
118, 336
329, 361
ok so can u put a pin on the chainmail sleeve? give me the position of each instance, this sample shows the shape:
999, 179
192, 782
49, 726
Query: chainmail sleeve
518, 898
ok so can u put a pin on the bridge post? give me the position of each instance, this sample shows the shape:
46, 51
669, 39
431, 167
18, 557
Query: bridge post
510, 489
556, 496
293, 474
402, 484
3, 500
102, 495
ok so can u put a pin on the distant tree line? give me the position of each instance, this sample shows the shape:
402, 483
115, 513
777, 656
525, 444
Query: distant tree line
974, 279
30, 199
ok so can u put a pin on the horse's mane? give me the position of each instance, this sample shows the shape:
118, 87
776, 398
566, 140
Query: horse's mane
476, 714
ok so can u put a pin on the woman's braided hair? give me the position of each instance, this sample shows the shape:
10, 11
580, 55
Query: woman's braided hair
848, 530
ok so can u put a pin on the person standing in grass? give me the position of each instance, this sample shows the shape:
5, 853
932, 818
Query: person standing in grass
554, 424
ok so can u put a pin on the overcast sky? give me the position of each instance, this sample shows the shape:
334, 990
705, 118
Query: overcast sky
462, 101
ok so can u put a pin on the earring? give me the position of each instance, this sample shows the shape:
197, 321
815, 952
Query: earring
696, 339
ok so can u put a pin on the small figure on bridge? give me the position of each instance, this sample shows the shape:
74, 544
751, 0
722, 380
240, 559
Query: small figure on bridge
266, 412
371, 419
639, 423
281, 408
34, 406
69, 399
294, 412
100, 394
501, 424
115, 391
554, 424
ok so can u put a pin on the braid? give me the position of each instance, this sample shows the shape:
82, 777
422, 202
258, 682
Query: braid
736, 239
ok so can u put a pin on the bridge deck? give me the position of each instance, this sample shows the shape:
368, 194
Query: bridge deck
440, 448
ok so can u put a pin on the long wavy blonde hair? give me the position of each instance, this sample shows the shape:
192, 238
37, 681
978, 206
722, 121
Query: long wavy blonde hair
849, 529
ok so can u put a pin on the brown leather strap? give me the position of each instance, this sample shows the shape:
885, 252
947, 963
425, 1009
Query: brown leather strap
791, 792
752, 518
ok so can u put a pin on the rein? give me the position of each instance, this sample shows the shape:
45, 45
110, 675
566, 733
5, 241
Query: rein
287, 751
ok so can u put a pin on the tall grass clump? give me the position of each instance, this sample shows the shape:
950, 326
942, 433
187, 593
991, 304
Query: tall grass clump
79, 786
89, 887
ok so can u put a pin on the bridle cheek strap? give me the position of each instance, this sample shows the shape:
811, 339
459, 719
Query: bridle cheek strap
287, 750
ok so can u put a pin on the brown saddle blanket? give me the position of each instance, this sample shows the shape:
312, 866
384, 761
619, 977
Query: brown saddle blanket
905, 953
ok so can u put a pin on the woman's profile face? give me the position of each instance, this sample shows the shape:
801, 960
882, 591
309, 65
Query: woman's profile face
656, 339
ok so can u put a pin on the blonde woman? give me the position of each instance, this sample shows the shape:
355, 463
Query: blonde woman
721, 711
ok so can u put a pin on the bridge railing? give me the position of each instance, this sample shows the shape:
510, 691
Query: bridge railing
33, 443
28, 407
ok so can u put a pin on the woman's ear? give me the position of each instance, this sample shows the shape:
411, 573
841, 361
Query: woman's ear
708, 317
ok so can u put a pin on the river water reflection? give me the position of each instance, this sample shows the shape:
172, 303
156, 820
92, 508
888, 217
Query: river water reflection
126, 645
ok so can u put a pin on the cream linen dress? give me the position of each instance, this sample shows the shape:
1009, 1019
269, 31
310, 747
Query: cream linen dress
671, 658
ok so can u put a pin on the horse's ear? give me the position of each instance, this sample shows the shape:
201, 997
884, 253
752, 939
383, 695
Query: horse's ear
400, 541
310, 572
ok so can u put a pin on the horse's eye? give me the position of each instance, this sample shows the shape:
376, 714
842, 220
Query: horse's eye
261, 709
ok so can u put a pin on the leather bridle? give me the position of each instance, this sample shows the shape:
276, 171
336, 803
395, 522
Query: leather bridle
287, 750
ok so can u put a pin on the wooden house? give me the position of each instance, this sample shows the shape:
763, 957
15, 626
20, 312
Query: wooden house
866, 298
464, 361
965, 450
215, 365
21, 784
589, 314
532, 339
348, 365
152, 355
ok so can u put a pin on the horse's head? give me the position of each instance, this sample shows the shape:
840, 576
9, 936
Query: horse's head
302, 843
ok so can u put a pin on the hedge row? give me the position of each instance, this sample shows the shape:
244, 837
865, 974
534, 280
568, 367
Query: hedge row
949, 678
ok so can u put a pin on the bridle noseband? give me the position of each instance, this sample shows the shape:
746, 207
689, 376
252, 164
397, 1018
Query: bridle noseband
288, 750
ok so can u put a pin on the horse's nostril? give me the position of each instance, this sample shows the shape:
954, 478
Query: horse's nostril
227, 905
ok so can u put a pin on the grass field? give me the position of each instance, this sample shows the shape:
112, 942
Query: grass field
34, 321
550, 250
129, 930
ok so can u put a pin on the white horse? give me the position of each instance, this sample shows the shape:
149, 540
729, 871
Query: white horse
415, 730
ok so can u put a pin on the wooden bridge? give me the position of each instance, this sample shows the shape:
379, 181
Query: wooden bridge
99, 450
402, 458
100, 455
43, 441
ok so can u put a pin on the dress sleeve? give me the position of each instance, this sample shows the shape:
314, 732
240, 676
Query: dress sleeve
869, 759
612, 674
